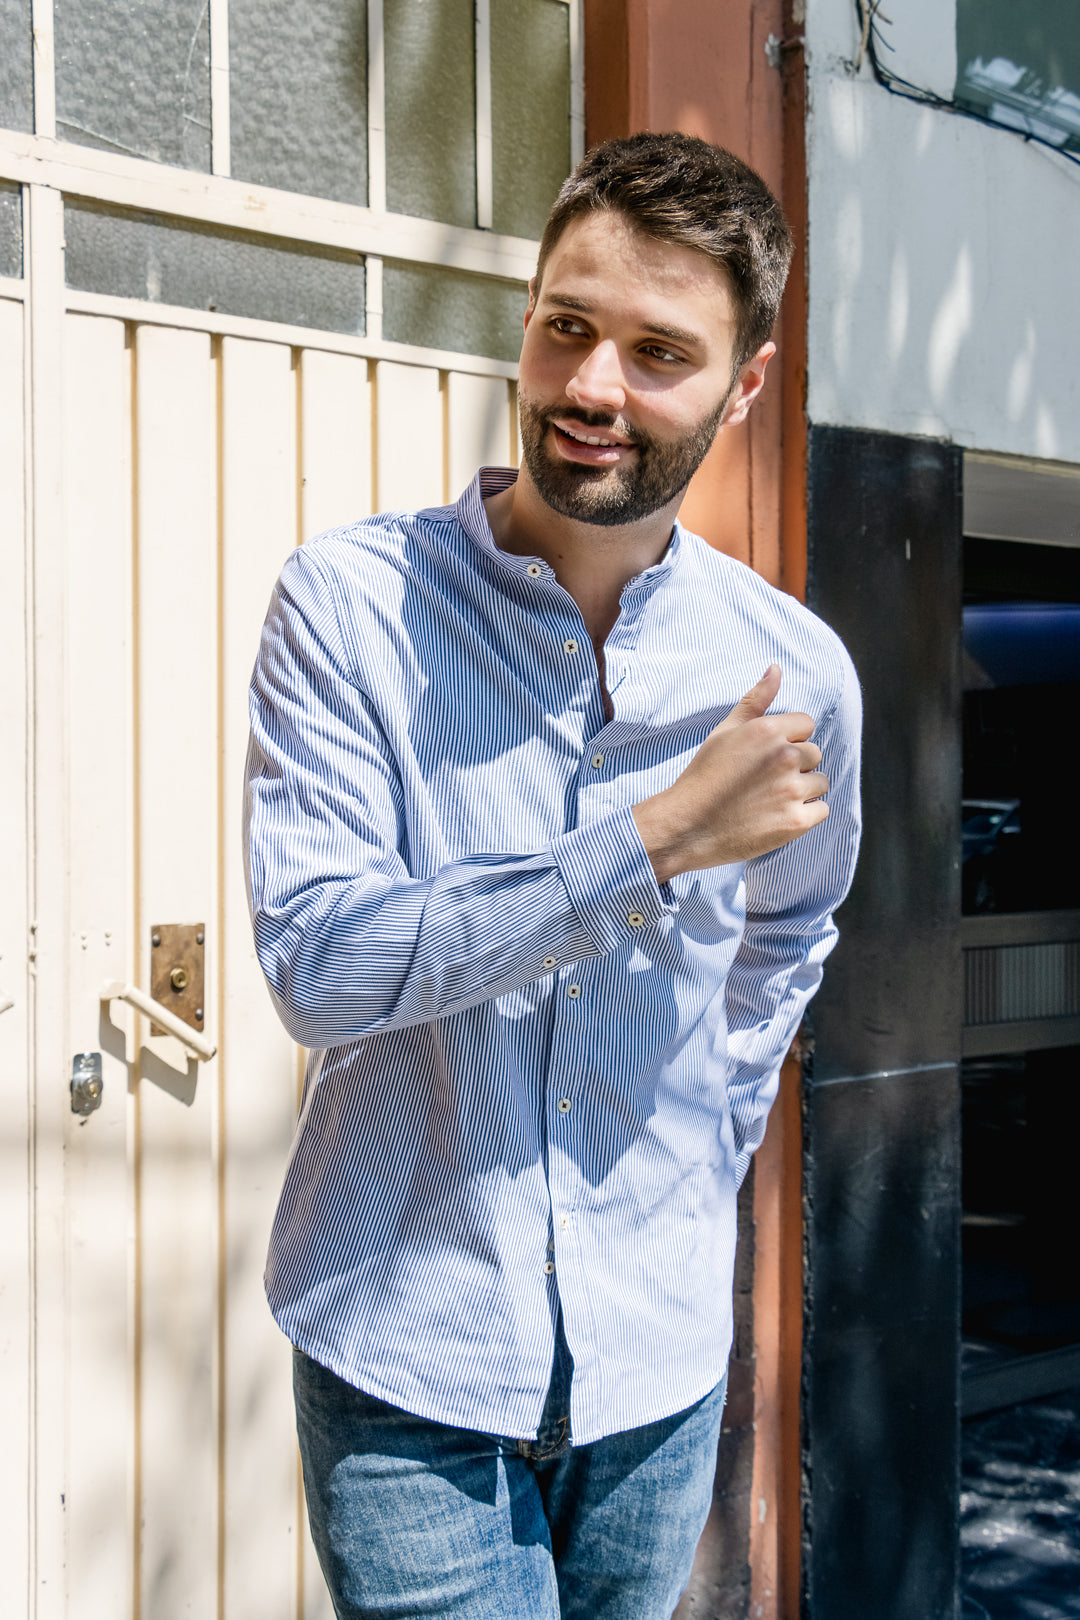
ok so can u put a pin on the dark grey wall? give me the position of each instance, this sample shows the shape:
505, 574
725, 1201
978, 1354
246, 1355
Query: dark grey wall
881, 1084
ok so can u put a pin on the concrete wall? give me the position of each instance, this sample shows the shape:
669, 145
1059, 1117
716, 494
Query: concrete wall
943, 253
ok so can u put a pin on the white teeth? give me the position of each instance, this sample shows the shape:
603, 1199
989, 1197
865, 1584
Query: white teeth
609, 444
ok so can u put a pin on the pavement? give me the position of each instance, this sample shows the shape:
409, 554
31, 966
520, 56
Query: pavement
1020, 1512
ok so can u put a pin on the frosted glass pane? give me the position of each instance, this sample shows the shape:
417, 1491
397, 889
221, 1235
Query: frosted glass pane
298, 96
1020, 65
530, 110
16, 66
431, 109
148, 256
11, 249
134, 76
445, 309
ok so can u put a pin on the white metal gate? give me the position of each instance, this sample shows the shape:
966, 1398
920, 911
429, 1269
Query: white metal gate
150, 1467
157, 463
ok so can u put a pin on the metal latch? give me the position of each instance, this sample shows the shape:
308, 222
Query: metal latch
177, 962
86, 1083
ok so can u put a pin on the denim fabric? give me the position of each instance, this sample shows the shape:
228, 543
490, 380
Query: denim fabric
412, 1518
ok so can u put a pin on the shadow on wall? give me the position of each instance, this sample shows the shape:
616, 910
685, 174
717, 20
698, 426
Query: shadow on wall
942, 287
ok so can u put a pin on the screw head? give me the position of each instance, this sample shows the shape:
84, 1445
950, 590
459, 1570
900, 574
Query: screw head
155, 939
198, 1014
199, 937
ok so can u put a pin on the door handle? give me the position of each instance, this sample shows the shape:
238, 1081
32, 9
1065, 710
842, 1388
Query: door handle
117, 990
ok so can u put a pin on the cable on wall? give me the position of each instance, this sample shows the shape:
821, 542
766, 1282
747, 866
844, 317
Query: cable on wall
872, 41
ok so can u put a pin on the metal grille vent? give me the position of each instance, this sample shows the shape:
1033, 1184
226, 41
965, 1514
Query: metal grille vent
1004, 983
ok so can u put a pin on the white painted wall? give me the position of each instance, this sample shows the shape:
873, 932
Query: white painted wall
944, 287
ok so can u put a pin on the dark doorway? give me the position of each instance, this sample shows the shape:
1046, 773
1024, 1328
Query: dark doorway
1020, 1082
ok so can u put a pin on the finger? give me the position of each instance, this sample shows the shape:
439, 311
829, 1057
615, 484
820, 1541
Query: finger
809, 756
757, 700
815, 785
794, 728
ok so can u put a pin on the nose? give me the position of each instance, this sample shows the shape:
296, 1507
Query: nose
598, 382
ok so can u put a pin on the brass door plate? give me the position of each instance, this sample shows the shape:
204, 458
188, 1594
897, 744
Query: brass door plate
177, 971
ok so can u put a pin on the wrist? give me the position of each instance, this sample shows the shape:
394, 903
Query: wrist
659, 836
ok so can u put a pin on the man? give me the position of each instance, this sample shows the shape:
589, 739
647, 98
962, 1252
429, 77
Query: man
545, 889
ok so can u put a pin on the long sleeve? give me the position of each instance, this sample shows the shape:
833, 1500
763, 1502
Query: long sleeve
523, 1095
791, 895
350, 939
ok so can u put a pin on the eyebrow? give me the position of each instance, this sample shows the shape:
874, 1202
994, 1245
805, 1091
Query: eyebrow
674, 334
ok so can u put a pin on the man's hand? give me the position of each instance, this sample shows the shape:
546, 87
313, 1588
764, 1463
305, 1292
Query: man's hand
751, 787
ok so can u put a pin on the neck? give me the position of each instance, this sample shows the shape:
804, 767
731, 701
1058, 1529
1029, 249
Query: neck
591, 561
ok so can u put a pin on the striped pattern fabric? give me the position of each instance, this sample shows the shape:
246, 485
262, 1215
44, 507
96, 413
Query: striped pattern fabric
535, 1077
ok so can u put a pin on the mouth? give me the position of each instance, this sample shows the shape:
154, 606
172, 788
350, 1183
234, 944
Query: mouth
596, 447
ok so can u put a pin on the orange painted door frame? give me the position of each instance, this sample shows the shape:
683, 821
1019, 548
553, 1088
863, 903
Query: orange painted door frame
732, 72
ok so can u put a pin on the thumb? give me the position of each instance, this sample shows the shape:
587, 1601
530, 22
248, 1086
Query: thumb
757, 700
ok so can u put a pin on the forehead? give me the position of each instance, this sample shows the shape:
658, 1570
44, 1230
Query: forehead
603, 258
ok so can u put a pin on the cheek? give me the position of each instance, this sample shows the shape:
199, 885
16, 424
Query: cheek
540, 372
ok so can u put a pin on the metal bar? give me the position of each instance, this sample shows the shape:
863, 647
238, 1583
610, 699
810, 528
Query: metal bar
577, 82
1020, 1378
373, 299
41, 21
220, 129
304, 337
376, 90
49, 809
1020, 928
117, 990
127, 182
1027, 1035
485, 176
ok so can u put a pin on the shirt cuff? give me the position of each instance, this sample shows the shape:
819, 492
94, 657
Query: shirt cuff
610, 880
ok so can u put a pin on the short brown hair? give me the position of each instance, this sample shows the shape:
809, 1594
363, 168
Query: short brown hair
679, 189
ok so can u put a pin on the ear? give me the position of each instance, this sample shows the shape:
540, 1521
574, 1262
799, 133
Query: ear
532, 303
748, 385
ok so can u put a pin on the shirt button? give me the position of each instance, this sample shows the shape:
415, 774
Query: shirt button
534, 570
573, 991
549, 1267
635, 919
564, 1222
564, 1105
597, 761
570, 647
549, 961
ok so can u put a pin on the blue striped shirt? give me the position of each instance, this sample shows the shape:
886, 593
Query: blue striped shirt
536, 1077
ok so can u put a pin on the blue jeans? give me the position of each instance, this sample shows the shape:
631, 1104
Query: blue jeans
414, 1518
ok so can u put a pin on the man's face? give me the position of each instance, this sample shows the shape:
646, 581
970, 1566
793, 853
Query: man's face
628, 343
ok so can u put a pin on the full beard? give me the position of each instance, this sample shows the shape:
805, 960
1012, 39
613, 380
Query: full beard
609, 496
